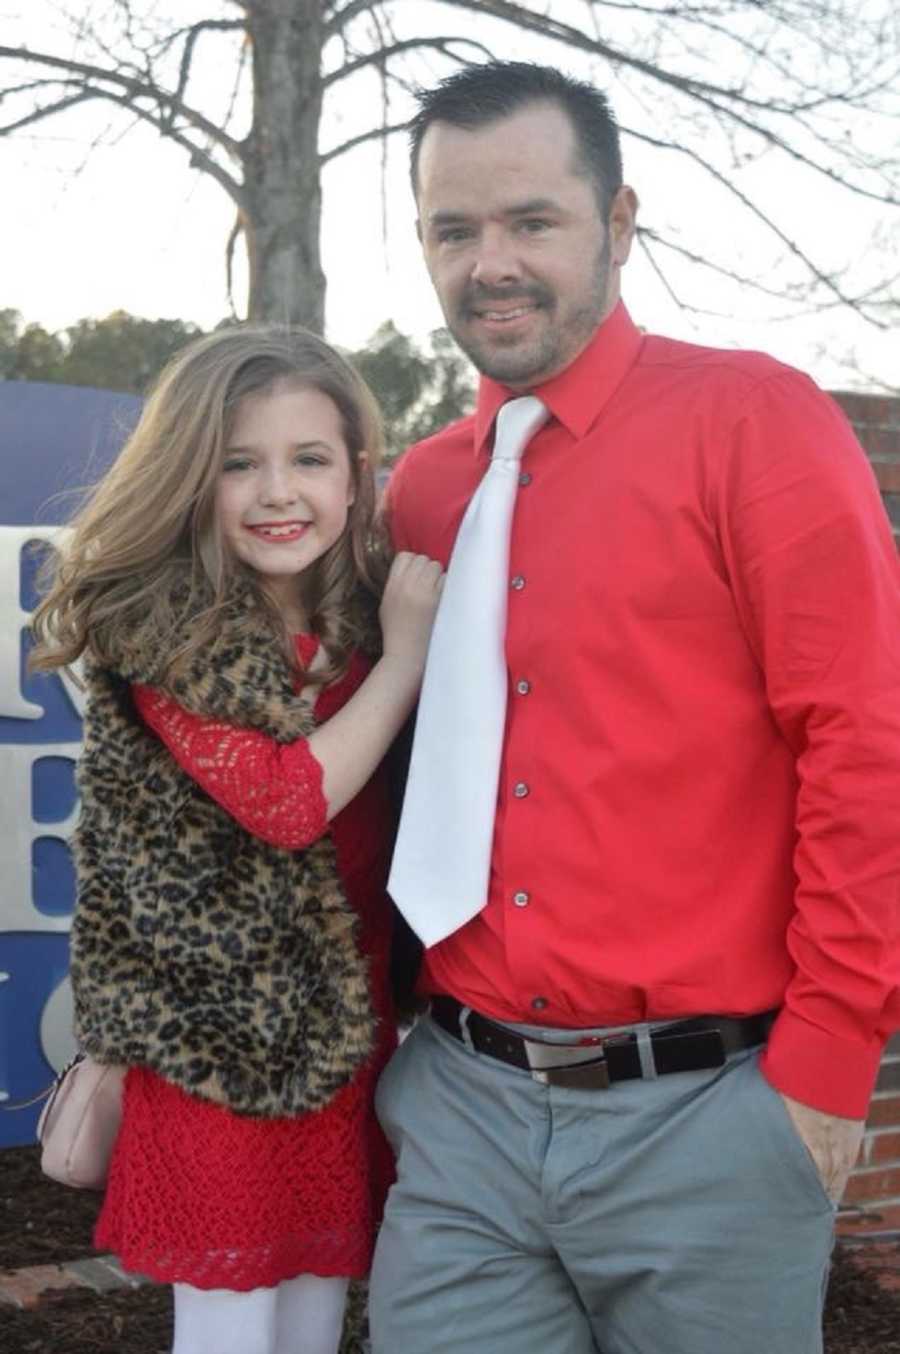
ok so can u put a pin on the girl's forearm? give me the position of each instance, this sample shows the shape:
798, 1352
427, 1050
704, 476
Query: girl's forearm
352, 743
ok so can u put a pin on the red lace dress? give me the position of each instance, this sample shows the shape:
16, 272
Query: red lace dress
200, 1195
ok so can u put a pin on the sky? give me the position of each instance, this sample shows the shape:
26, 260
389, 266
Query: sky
101, 215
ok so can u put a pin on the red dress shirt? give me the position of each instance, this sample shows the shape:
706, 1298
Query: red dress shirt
698, 803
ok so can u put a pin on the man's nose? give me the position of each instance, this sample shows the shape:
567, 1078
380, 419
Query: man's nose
496, 261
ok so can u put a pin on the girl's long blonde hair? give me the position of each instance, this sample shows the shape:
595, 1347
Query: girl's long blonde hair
149, 526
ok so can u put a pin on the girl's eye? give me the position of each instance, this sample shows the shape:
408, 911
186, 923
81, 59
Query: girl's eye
232, 463
309, 458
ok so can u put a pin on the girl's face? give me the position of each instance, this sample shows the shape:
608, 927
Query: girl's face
285, 485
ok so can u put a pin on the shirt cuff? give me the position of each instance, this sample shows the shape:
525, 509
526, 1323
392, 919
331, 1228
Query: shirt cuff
820, 1069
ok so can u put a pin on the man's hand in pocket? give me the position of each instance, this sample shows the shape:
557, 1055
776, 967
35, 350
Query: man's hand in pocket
832, 1142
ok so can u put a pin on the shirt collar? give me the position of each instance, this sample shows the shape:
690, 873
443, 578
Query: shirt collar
578, 393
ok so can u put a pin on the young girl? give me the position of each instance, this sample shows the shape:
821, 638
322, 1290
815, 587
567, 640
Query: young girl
230, 941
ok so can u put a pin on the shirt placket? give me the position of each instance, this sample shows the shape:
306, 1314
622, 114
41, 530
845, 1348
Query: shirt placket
521, 790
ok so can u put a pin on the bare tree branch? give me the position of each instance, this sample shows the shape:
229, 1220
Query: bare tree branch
722, 100
340, 18
444, 45
373, 134
192, 36
558, 31
230, 245
48, 110
198, 157
823, 278
648, 238
133, 88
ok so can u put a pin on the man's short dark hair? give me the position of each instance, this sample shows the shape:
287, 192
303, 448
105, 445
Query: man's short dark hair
479, 95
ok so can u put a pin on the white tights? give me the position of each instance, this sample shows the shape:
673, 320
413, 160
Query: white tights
299, 1316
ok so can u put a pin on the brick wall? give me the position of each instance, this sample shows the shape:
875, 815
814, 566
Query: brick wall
876, 422
872, 1201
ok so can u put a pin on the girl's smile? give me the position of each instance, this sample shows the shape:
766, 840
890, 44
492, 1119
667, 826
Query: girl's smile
278, 531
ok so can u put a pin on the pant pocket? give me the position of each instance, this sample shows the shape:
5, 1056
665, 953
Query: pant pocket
389, 1090
792, 1157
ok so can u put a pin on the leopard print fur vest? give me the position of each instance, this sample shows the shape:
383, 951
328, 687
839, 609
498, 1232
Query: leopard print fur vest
227, 965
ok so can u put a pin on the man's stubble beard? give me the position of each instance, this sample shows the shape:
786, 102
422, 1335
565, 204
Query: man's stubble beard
553, 350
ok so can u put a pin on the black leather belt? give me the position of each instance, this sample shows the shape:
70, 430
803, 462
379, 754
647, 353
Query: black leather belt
595, 1061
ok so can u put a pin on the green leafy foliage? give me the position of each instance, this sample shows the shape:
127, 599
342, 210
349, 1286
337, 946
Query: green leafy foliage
120, 352
419, 388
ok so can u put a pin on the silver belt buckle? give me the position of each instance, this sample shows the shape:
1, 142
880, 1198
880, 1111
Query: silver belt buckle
578, 1066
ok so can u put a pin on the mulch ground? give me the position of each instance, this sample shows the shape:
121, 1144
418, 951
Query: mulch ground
44, 1223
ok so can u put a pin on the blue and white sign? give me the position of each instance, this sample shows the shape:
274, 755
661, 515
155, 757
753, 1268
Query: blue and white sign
54, 441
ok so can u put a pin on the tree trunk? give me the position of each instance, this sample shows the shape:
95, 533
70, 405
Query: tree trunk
282, 215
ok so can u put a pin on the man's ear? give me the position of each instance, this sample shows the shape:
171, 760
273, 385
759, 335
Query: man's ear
622, 224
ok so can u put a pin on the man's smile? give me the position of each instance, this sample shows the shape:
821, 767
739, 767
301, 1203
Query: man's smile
496, 316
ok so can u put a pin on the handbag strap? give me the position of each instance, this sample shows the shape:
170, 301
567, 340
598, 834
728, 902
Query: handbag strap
35, 1099
49, 1092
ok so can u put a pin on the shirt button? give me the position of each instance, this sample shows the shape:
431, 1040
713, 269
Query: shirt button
520, 789
517, 583
523, 686
521, 898
539, 1003
525, 478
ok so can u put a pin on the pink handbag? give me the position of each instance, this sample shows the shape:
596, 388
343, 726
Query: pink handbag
78, 1125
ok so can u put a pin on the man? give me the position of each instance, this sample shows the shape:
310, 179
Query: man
626, 1123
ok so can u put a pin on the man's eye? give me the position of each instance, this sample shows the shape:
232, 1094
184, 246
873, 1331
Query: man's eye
534, 225
454, 235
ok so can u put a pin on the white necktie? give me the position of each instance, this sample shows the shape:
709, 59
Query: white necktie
441, 866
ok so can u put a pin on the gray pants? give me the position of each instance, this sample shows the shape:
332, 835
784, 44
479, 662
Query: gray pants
681, 1215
